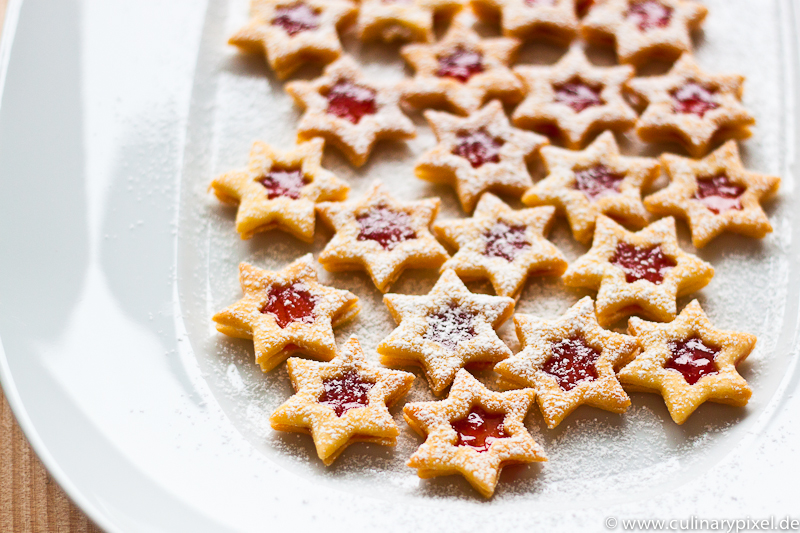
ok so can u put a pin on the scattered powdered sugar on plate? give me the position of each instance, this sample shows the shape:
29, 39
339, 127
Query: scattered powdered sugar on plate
594, 456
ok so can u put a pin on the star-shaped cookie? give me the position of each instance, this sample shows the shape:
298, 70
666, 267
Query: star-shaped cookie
644, 29
569, 362
293, 33
479, 153
402, 20
445, 329
502, 244
279, 189
342, 402
286, 311
475, 432
382, 235
597, 180
349, 110
688, 362
637, 273
715, 194
461, 71
574, 99
553, 20
691, 107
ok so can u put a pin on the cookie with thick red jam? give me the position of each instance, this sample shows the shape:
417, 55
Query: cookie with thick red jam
570, 361
688, 361
287, 311
715, 194
474, 432
280, 189
341, 402
381, 235
637, 273
293, 33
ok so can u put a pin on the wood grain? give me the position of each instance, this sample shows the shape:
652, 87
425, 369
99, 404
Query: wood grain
30, 501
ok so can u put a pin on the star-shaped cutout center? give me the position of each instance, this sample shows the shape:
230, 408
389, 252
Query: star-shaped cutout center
349, 110
597, 180
402, 20
295, 32
637, 273
688, 362
478, 153
279, 189
715, 194
551, 20
692, 107
644, 29
446, 329
569, 362
461, 71
502, 244
341, 402
573, 99
382, 235
287, 311
474, 432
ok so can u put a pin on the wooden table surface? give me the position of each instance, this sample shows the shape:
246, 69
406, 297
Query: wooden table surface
30, 501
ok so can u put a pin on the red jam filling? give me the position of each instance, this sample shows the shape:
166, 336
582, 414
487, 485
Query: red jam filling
583, 6
284, 182
572, 363
296, 18
462, 64
692, 358
480, 429
649, 14
345, 392
578, 95
478, 147
290, 304
505, 241
350, 101
598, 181
693, 98
719, 194
386, 227
642, 263
450, 326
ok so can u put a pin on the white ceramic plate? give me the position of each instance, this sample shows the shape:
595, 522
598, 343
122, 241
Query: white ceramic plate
114, 118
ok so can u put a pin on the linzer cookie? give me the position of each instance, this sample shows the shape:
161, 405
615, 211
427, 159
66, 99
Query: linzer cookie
691, 107
287, 311
402, 20
478, 153
502, 244
573, 99
475, 432
462, 71
349, 111
553, 20
279, 189
595, 181
688, 362
644, 29
715, 194
637, 273
570, 362
342, 402
292, 33
446, 329
382, 235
